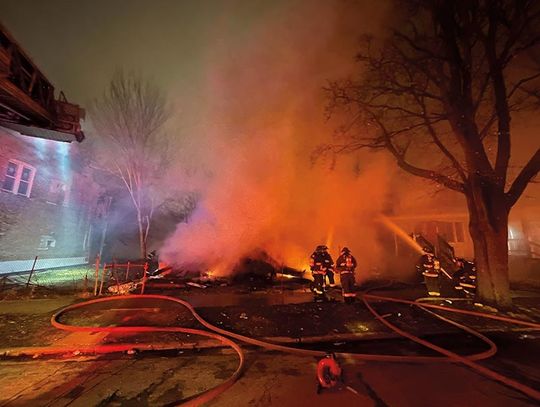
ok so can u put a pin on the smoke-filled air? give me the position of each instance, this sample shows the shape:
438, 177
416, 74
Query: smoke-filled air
260, 186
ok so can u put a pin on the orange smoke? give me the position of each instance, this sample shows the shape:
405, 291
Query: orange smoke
262, 118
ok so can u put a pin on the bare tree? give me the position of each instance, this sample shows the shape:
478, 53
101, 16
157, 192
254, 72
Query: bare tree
129, 119
439, 94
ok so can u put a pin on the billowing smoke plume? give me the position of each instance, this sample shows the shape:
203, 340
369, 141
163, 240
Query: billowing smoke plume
263, 116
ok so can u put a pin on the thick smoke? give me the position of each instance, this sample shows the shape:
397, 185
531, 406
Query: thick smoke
263, 116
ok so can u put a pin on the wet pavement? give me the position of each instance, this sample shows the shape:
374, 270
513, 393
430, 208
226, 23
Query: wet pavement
271, 378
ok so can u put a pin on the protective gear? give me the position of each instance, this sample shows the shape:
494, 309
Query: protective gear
346, 265
427, 249
320, 263
330, 275
345, 250
465, 277
430, 267
329, 262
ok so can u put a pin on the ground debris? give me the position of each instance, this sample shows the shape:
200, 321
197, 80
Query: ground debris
197, 285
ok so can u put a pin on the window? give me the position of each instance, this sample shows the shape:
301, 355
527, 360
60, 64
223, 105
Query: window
445, 229
452, 232
58, 193
46, 242
19, 178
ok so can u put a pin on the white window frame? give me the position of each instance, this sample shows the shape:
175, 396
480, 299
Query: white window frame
49, 242
20, 166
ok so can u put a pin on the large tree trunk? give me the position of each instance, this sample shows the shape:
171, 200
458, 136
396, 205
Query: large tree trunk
142, 237
488, 226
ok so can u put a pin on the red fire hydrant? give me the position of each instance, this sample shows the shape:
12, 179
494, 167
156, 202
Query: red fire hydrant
329, 372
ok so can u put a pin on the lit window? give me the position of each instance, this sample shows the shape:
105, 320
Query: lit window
19, 178
445, 230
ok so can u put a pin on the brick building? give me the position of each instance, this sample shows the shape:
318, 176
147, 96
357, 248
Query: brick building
50, 206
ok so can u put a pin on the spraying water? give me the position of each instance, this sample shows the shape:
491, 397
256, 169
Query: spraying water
401, 233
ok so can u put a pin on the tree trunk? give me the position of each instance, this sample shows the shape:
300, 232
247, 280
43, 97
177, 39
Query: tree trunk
142, 237
488, 226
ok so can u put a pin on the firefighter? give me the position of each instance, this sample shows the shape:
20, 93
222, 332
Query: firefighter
345, 266
153, 262
329, 266
320, 262
430, 267
465, 277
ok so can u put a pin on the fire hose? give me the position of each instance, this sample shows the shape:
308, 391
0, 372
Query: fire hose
224, 336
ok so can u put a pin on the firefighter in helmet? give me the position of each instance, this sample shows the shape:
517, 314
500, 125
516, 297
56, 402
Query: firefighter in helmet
329, 264
320, 262
345, 266
430, 267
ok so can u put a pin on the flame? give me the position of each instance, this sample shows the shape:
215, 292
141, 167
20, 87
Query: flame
288, 276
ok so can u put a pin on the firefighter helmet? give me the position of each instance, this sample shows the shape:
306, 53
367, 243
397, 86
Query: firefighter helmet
321, 248
345, 250
427, 250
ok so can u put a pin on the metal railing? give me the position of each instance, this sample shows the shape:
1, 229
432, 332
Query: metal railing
523, 248
120, 278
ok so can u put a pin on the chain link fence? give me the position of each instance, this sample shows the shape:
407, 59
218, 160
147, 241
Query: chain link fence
45, 277
48, 277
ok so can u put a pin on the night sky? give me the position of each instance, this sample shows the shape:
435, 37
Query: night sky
79, 44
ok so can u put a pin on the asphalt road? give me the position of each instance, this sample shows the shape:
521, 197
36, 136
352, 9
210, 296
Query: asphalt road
271, 379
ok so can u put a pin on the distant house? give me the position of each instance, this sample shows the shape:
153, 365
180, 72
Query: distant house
523, 230
50, 206
452, 226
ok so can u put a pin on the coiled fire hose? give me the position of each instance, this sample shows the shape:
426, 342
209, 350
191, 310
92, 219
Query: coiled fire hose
223, 336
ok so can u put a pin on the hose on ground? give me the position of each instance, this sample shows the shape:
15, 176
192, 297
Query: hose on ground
534, 394
223, 336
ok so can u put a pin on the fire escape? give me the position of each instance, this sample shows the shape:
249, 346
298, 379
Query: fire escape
27, 102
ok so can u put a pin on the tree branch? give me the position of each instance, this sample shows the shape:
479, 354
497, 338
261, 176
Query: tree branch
436, 139
420, 172
521, 82
524, 177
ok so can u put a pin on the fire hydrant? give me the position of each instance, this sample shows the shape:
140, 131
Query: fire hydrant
329, 372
